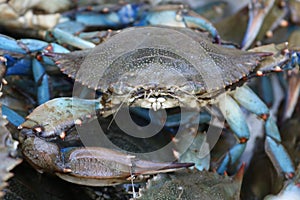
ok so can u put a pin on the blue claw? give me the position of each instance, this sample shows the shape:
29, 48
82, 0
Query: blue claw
41, 79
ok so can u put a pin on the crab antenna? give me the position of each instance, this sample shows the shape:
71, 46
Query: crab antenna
119, 107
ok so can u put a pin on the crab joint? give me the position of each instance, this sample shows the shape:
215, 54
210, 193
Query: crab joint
264, 116
259, 73
277, 69
62, 135
243, 140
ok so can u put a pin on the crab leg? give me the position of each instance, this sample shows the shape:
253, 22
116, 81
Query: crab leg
70, 39
177, 16
175, 120
106, 15
12, 116
236, 120
26, 65
265, 91
275, 150
41, 80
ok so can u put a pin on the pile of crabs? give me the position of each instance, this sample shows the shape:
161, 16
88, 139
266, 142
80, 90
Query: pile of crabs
149, 99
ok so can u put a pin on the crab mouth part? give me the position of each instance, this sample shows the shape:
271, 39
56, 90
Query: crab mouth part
155, 98
155, 102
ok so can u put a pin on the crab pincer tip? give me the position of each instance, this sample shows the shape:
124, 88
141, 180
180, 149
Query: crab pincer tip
240, 174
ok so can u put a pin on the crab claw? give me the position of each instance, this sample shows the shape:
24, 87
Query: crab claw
257, 13
97, 166
92, 166
292, 94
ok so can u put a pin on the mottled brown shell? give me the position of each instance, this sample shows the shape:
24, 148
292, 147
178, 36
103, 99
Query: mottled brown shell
200, 185
159, 57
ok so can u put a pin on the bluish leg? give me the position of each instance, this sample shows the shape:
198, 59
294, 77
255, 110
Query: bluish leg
12, 116
275, 150
72, 40
181, 18
192, 19
237, 122
41, 79
266, 90
175, 120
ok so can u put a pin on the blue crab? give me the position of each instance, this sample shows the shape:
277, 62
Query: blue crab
92, 166
128, 70
64, 28
67, 27
193, 185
